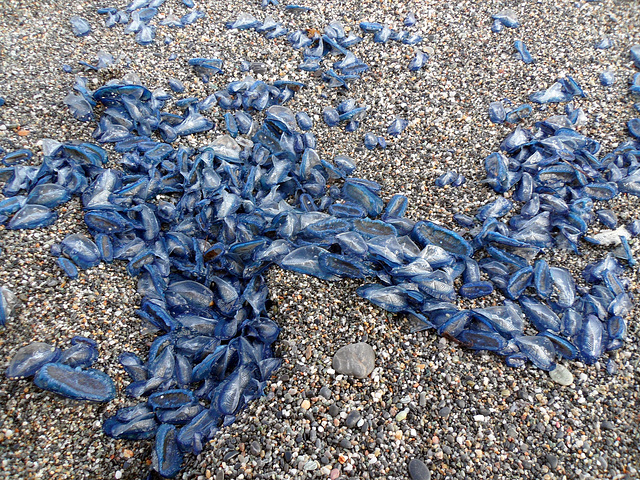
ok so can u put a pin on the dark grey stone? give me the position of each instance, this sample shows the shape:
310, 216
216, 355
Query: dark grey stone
607, 425
325, 392
334, 410
552, 460
344, 443
255, 448
357, 359
444, 412
418, 470
353, 418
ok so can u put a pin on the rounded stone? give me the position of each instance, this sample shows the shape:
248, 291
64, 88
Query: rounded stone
325, 392
357, 360
601, 462
561, 375
418, 470
352, 419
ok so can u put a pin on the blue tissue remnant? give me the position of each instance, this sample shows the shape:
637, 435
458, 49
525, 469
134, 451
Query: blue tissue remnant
523, 52
634, 53
507, 18
607, 78
563, 90
604, 44
80, 26
450, 178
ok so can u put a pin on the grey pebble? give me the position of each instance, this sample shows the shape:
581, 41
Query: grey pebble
607, 425
422, 399
229, 455
552, 460
444, 412
602, 462
357, 359
311, 465
561, 375
418, 470
352, 419
255, 448
334, 410
344, 443
325, 392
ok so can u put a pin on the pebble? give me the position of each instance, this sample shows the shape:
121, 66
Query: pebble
311, 465
607, 425
602, 463
352, 419
357, 359
444, 412
402, 415
552, 460
334, 410
325, 392
561, 375
418, 470
255, 448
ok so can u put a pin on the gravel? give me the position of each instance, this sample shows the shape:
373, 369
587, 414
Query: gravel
500, 422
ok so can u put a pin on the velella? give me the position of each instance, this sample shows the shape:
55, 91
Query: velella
507, 17
80, 26
91, 385
8, 303
28, 360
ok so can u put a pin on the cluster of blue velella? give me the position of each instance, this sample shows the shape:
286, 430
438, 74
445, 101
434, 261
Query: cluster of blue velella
334, 41
347, 112
137, 17
199, 228
508, 18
